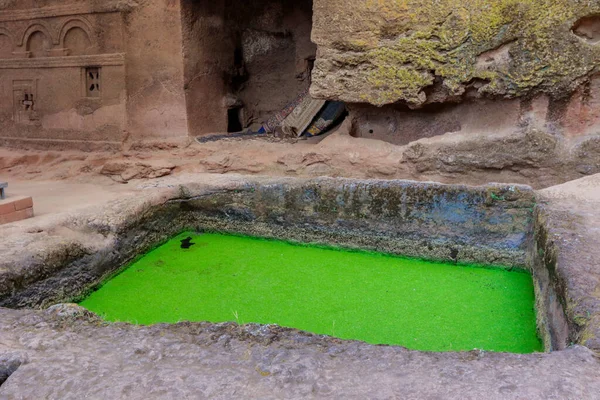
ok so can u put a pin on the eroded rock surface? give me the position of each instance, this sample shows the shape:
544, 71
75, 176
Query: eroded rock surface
125, 171
571, 218
422, 51
71, 356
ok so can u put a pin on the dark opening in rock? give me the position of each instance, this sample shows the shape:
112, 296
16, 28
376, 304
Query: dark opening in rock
9, 363
234, 122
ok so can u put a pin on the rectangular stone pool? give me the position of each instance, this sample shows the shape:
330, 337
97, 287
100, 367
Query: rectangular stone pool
367, 296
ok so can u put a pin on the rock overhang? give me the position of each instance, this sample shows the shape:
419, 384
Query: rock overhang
419, 52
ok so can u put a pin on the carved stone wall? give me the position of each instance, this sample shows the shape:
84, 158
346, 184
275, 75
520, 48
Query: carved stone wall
90, 71
243, 61
62, 73
155, 87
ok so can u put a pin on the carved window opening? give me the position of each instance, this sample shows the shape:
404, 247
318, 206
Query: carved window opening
25, 102
92, 81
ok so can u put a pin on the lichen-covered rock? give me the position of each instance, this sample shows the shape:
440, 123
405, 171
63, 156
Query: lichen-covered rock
421, 51
71, 311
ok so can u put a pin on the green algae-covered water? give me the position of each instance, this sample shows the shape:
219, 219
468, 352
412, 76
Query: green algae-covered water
376, 298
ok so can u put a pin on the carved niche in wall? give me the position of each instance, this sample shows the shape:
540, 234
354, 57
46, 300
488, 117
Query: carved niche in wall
76, 37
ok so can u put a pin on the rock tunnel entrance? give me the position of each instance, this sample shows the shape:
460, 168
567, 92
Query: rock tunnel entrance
244, 61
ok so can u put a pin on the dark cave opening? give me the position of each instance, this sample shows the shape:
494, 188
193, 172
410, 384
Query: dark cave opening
234, 121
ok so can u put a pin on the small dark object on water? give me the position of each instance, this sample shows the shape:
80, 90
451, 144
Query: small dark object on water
454, 254
187, 243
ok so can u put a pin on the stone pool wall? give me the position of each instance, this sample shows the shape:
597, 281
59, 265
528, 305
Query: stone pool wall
548, 283
565, 279
488, 225
491, 225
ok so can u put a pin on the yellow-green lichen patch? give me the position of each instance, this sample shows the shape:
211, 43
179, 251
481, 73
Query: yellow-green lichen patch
400, 46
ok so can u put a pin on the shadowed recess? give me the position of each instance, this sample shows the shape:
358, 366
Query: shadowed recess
376, 298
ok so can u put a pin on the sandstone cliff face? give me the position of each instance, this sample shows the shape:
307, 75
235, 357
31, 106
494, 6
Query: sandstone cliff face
429, 51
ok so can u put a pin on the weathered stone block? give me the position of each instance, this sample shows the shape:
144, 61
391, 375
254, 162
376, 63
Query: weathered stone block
15, 209
24, 203
16, 216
